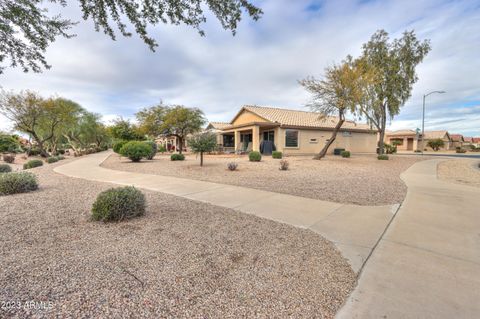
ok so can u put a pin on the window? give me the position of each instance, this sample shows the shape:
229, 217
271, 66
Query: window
268, 135
347, 134
291, 138
228, 141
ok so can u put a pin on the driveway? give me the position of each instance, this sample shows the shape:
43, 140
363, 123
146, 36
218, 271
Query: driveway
427, 265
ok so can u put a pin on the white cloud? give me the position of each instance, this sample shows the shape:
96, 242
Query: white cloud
262, 63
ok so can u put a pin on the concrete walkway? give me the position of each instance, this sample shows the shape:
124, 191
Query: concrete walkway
354, 229
427, 265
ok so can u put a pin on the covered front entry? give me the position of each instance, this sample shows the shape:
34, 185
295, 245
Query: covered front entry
248, 138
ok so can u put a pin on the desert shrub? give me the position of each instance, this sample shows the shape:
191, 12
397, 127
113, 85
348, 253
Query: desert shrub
135, 150
33, 151
277, 154
232, 166
117, 146
32, 164
177, 157
284, 165
5, 168
8, 143
254, 156
390, 149
60, 157
153, 149
118, 203
345, 154
460, 150
436, 144
162, 149
383, 157
7, 158
17, 182
52, 159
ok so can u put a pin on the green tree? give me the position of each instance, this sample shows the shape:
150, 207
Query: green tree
394, 63
436, 143
35, 116
340, 91
8, 143
27, 29
151, 119
86, 131
180, 121
203, 142
124, 130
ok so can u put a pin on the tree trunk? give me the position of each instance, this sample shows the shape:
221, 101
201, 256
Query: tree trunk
381, 141
201, 158
43, 152
324, 151
180, 144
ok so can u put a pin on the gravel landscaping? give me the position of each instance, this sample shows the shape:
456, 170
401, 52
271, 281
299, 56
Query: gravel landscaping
182, 259
361, 179
465, 172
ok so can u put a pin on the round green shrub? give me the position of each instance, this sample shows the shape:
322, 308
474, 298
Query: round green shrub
153, 147
383, 157
117, 146
5, 168
118, 204
17, 182
33, 152
177, 157
51, 160
162, 149
254, 156
277, 154
60, 157
32, 164
135, 150
345, 154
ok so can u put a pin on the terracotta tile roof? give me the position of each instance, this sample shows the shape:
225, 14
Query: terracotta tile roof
297, 118
476, 139
218, 125
468, 139
456, 137
401, 133
429, 135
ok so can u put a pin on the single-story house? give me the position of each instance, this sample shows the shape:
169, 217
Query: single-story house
476, 141
406, 140
443, 135
217, 127
468, 142
292, 132
457, 140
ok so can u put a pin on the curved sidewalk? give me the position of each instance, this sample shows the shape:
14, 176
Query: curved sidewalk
427, 265
354, 229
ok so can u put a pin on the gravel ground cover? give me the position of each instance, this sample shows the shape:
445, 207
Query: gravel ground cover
361, 179
460, 171
182, 259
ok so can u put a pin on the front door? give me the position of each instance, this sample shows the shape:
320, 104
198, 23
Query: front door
269, 136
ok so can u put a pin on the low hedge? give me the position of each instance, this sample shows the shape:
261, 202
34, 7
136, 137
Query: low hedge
345, 154
117, 146
5, 168
136, 150
119, 203
177, 157
277, 154
17, 182
32, 164
52, 159
254, 156
382, 157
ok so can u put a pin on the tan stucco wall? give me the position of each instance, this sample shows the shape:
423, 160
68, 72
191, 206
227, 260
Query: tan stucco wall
247, 117
356, 143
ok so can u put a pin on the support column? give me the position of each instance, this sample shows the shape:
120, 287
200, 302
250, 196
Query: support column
256, 138
237, 140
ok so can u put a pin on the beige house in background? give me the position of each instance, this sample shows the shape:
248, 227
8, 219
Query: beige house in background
407, 140
292, 132
443, 135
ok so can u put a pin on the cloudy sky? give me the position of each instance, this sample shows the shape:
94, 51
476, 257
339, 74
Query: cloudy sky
261, 64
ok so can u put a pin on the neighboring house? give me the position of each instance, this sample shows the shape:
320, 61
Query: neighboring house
217, 127
457, 140
432, 135
171, 143
468, 142
292, 132
476, 141
407, 140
